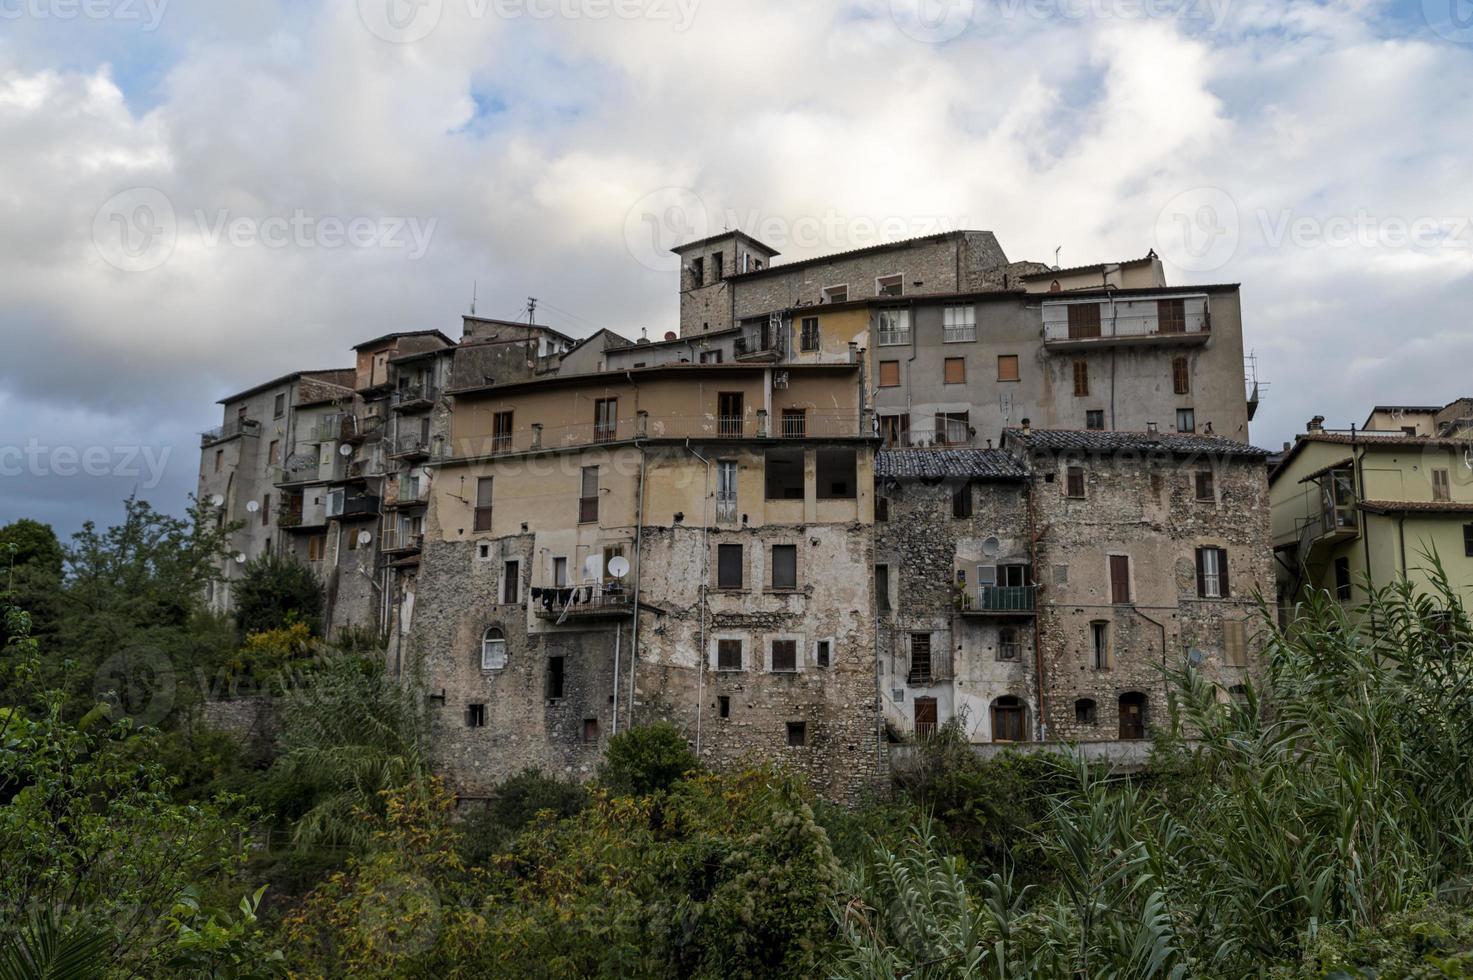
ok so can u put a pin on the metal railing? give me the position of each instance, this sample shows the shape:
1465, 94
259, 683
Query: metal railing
892, 338
1124, 325
413, 394
1000, 599
410, 491
410, 444
536, 437
231, 429
589, 599
329, 428
959, 334
399, 539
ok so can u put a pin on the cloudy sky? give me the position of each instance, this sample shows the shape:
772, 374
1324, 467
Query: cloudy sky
199, 196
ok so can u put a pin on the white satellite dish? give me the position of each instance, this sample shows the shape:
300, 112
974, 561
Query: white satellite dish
345, 450
218, 500
618, 566
240, 558
252, 507
364, 537
1196, 657
991, 546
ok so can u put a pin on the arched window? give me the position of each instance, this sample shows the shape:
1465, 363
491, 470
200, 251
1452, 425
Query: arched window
1009, 720
1008, 647
1132, 715
1086, 712
493, 649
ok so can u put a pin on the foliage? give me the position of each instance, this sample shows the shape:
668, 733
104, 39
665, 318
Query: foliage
1431, 942
514, 804
273, 655
46, 949
31, 572
216, 944
645, 760
277, 592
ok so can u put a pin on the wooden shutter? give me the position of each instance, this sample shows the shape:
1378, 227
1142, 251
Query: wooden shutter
784, 656
1007, 367
1084, 320
1119, 578
483, 504
889, 374
1181, 377
1081, 377
1171, 315
728, 654
956, 370
729, 566
1222, 572
1201, 574
1234, 643
1074, 481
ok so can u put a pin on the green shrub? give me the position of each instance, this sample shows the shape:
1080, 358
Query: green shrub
640, 761
277, 591
514, 804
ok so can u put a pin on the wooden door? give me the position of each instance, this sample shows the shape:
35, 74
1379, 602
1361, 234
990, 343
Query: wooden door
925, 711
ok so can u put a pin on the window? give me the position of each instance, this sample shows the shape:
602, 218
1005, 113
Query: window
511, 582
605, 419
710, 357
1081, 378
1235, 643
959, 324
728, 655
317, 547
718, 267
723, 706
882, 510
1086, 712
1468, 540
554, 678
1008, 720
795, 423
953, 428
279, 409
493, 649
1172, 315
501, 426
836, 294
961, 501
784, 656
726, 490
1186, 420
1204, 486
823, 653
698, 271
1212, 573
1007, 367
1008, 647
797, 734
219, 459
1342, 579
1440, 486
808, 340
882, 588
1095, 419
890, 285
954, 372
889, 374
1074, 482
273, 452
893, 328
1084, 321
729, 566
1132, 715
784, 566
1119, 578
784, 474
475, 716
483, 505
895, 429
1099, 642
920, 659
590, 731
1181, 378
265, 510
730, 412
588, 496
837, 471
560, 572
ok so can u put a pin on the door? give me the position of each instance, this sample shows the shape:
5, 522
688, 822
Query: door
1008, 720
1132, 715
605, 419
925, 709
729, 413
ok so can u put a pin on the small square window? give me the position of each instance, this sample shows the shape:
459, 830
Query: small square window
723, 706
797, 733
889, 374
728, 654
1074, 486
784, 656
955, 371
1007, 367
1095, 419
1186, 420
475, 716
822, 652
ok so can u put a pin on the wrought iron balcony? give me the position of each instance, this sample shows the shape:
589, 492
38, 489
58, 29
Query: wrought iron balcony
415, 397
587, 601
999, 600
231, 429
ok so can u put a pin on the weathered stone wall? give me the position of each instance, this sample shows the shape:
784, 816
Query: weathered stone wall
251, 721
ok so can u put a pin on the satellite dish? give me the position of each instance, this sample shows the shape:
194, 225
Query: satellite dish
618, 566
240, 558
252, 506
364, 537
1196, 657
345, 450
991, 546
218, 500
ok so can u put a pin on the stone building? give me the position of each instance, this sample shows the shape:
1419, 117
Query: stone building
688, 542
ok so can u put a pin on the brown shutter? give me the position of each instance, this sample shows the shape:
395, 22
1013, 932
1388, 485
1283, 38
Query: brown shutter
1201, 575
1119, 578
1081, 378
1222, 572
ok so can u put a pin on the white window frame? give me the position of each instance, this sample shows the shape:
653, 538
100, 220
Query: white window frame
797, 640
715, 652
958, 324
1211, 574
892, 336
828, 291
880, 289
493, 648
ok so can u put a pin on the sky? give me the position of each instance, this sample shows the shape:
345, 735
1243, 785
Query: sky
198, 197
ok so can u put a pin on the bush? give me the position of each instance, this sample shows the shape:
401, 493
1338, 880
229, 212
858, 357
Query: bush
277, 592
515, 803
641, 761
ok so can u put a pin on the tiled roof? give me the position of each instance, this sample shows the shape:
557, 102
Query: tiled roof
987, 464
1417, 506
1111, 441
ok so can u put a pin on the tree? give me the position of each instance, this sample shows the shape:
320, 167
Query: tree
277, 592
31, 572
640, 761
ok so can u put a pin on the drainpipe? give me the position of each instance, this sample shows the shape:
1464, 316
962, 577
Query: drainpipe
638, 575
1041, 725
705, 578
1162, 627
1364, 519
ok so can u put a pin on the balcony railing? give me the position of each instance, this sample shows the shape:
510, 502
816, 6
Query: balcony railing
755, 346
959, 334
415, 396
1016, 600
409, 493
400, 539
355, 505
1193, 324
362, 429
305, 472
231, 429
410, 445
329, 428
892, 338
933, 669
581, 601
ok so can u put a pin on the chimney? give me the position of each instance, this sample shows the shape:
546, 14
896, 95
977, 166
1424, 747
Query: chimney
1287, 447
1316, 424
1026, 426
1151, 428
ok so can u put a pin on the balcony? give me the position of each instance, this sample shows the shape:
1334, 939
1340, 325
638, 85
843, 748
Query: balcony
237, 427
757, 346
1181, 320
929, 668
299, 473
351, 505
397, 540
999, 600
411, 446
961, 334
297, 513
582, 602
328, 428
355, 429
415, 398
408, 493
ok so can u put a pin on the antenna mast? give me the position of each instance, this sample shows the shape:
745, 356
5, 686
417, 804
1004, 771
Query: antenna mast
531, 310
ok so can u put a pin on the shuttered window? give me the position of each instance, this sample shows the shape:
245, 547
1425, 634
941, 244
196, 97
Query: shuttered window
483, 504
1074, 482
728, 654
1081, 378
1212, 573
784, 656
889, 374
729, 566
1181, 376
1007, 367
1235, 643
956, 370
1119, 578
1084, 320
